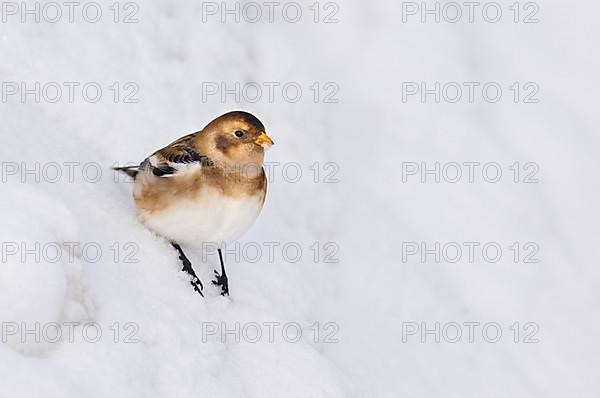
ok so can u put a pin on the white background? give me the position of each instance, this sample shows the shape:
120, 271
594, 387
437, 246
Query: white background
369, 213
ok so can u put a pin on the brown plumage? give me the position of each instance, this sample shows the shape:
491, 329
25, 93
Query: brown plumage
206, 187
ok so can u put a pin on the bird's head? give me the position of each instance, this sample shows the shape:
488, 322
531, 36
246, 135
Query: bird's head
236, 138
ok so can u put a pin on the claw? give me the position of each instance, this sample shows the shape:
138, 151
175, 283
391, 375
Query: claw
196, 281
223, 282
198, 290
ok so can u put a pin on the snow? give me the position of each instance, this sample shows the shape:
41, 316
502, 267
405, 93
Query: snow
370, 294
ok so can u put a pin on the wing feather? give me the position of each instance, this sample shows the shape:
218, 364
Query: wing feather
177, 157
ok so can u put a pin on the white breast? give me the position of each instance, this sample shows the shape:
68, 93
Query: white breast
212, 218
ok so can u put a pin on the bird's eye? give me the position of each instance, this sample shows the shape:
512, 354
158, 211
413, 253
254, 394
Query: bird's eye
239, 133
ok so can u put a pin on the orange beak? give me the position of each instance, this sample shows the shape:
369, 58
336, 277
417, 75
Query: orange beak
263, 140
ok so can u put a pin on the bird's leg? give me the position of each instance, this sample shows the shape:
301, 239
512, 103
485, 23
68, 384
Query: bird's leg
187, 267
222, 277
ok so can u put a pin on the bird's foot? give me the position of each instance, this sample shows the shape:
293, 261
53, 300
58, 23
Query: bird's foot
221, 280
187, 268
195, 282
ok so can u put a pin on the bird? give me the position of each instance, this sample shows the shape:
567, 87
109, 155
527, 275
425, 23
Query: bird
206, 187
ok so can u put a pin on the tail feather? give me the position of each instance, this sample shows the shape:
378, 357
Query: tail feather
131, 171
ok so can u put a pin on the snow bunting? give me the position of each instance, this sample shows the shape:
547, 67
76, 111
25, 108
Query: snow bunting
206, 187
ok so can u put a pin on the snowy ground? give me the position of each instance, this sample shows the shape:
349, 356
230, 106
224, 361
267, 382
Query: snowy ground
169, 341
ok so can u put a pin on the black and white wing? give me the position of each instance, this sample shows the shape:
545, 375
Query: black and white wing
177, 157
